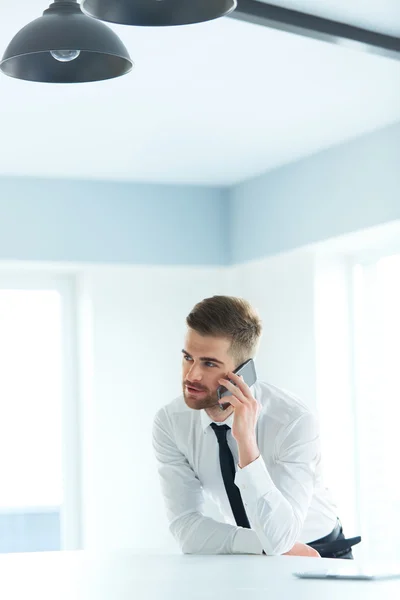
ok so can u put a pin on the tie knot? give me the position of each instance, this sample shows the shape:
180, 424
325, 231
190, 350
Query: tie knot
220, 431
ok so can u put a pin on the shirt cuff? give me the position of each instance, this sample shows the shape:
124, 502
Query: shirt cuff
254, 481
246, 541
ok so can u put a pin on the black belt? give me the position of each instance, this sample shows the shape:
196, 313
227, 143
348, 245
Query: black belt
335, 543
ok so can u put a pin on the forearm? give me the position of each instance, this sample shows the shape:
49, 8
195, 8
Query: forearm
248, 452
197, 534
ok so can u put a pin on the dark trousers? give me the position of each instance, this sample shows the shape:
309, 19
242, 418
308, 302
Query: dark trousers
322, 545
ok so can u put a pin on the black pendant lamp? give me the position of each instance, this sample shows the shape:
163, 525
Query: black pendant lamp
154, 13
65, 46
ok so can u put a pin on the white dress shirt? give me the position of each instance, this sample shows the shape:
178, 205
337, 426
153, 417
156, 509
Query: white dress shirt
282, 490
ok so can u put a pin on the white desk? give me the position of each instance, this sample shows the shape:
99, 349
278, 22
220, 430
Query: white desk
125, 575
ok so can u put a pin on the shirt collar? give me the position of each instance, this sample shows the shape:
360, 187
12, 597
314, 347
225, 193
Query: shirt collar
206, 420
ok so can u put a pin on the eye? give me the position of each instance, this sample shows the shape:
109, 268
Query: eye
186, 357
210, 364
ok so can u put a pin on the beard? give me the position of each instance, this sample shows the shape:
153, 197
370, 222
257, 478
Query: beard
207, 399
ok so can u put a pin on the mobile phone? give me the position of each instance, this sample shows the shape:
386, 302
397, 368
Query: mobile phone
248, 371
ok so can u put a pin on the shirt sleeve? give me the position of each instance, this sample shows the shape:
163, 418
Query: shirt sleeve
277, 511
183, 497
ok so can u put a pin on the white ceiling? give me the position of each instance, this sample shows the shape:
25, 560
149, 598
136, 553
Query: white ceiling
212, 104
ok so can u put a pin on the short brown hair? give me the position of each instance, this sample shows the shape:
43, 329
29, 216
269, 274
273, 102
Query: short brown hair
228, 317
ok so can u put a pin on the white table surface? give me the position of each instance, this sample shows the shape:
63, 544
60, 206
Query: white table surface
126, 575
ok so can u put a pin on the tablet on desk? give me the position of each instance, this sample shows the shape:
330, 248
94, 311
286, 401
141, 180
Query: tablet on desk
354, 572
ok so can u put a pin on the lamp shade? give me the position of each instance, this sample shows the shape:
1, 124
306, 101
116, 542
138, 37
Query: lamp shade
153, 13
65, 46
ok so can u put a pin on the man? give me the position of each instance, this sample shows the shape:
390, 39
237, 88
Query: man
276, 502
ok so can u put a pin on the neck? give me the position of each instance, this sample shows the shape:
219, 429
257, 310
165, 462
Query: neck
218, 415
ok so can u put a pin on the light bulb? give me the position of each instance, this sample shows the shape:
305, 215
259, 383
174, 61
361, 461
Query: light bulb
65, 55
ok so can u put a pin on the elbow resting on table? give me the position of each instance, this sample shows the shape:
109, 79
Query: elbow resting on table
183, 530
281, 543
277, 550
189, 548
197, 534
191, 545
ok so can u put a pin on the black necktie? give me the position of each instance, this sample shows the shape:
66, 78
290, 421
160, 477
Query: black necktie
228, 475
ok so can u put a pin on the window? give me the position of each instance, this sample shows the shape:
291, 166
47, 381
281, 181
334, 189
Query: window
38, 477
357, 328
334, 388
376, 311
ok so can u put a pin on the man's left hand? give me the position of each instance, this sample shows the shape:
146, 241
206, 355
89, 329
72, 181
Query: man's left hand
300, 549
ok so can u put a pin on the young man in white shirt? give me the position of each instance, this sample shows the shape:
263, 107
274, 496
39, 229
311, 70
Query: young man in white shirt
271, 437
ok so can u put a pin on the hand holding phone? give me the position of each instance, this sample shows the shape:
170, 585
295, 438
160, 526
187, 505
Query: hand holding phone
247, 370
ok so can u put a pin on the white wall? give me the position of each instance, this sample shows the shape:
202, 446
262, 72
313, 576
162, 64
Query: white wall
131, 328
132, 323
282, 289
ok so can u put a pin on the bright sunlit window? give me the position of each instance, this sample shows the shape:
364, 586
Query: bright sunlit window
357, 310
36, 458
30, 399
377, 403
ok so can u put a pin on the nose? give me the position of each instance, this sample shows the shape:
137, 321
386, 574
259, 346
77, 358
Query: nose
195, 373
